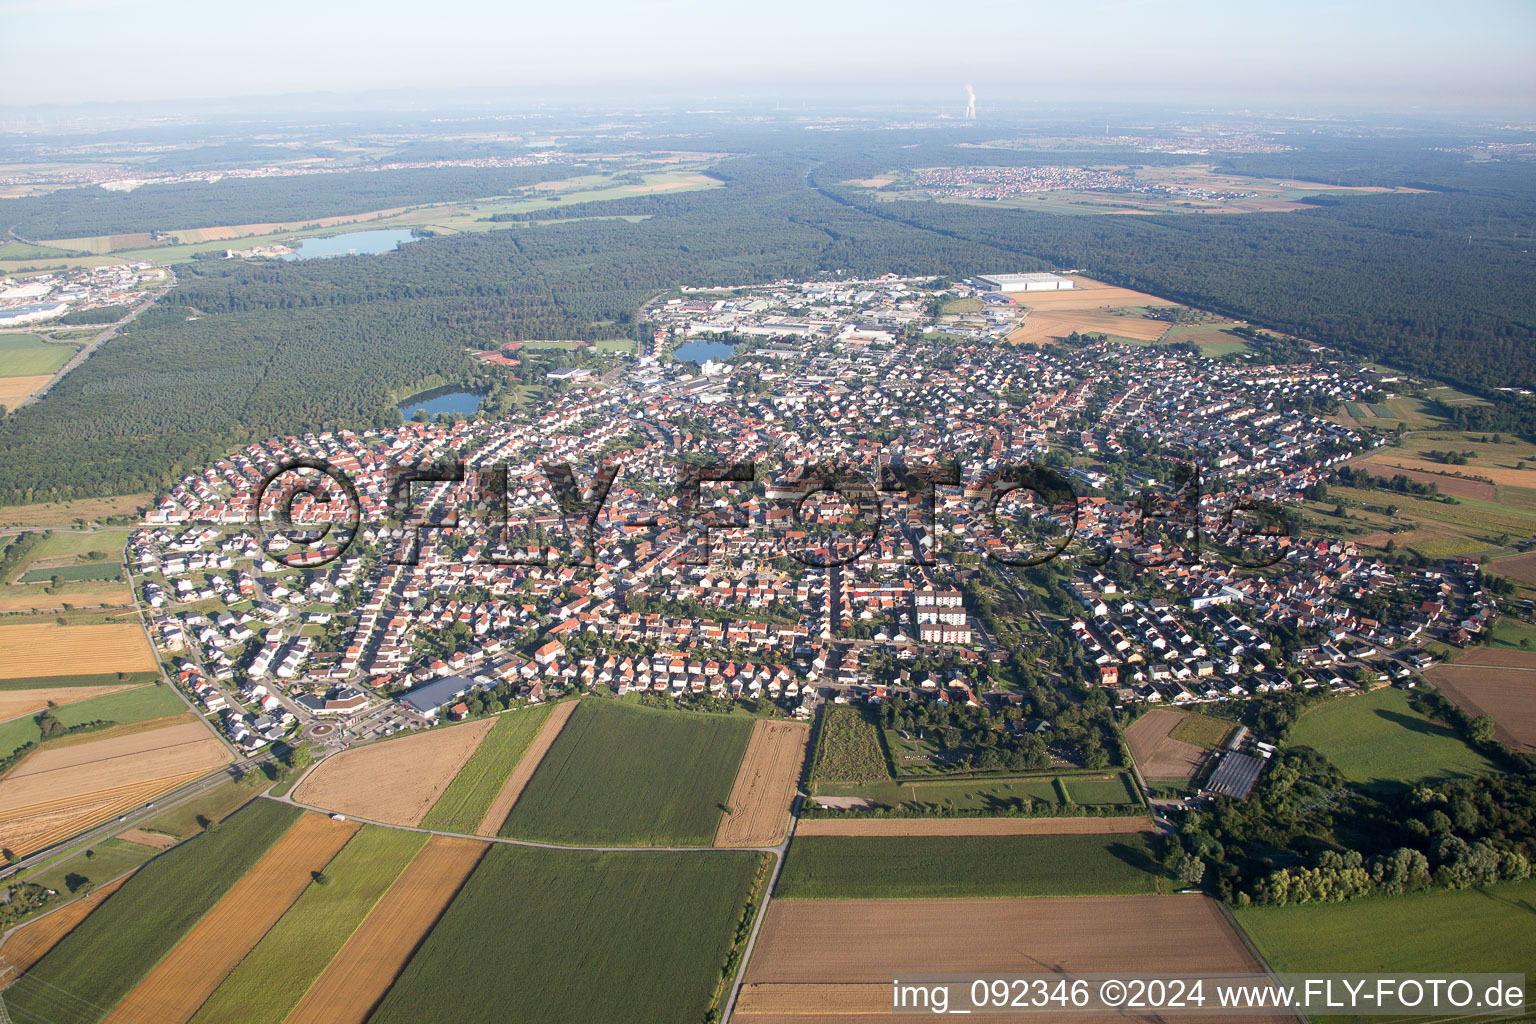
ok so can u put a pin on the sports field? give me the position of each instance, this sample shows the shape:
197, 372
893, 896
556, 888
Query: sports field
1377, 739
623, 775
927, 867
577, 937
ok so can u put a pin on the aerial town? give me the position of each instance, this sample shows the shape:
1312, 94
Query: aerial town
774, 592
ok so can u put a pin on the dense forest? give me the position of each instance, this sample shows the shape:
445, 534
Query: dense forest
246, 349
81, 212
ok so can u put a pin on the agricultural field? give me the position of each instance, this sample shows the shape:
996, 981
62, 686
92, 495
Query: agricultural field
105, 956
368, 963
517, 780
766, 784
1505, 693
50, 649
30, 943
473, 215
152, 705
464, 804
273, 977
16, 703
623, 775
1000, 795
176, 986
1202, 731
1490, 929
26, 355
396, 781
1521, 568
931, 867
1158, 753
1377, 739
63, 513
656, 927
15, 390
837, 957
1014, 826
61, 789
849, 749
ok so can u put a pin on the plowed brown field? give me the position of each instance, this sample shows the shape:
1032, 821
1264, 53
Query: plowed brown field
497, 813
765, 785
53, 650
1457, 487
32, 941
59, 791
354, 982
833, 960
179, 984
1506, 695
1159, 755
15, 703
971, 826
396, 781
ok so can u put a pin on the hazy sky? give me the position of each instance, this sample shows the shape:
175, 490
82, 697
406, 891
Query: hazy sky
1397, 53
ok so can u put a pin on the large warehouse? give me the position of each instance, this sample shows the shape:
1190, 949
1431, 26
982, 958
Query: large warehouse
1025, 282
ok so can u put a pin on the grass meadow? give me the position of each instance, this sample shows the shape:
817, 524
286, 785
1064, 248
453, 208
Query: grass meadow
1377, 739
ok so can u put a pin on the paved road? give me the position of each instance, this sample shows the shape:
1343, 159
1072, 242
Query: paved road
97, 342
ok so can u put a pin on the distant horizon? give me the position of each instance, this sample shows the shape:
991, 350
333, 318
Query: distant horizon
1361, 56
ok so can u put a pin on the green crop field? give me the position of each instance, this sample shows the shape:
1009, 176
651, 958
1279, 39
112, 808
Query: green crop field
997, 795
1202, 731
23, 355
1445, 931
137, 705
274, 976
924, 867
106, 955
1378, 739
1112, 789
629, 776
75, 573
467, 798
97, 679
557, 937
849, 748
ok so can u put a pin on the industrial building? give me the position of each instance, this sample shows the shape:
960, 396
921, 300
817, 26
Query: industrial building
1025, 282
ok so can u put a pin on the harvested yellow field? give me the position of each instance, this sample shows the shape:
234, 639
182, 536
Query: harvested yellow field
1088, 294
833, 960
63, 513
15, 390
971, 826
154, 840
17, 600
396, 781
32, 941
53, 650
183, 981
765, 785
1043, 326
61, 790
15, 703
354, 982
1501, 475
497, 813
